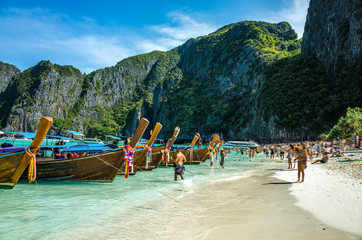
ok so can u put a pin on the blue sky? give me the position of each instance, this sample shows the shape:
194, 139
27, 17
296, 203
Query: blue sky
95, 34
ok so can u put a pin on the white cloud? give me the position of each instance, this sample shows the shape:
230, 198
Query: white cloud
183, 27
294, 12
39, 34
98, 50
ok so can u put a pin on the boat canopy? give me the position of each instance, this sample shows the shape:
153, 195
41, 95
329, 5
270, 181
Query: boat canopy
75, 133
58, 137
25, 134
114, 137
1, 132
32, 135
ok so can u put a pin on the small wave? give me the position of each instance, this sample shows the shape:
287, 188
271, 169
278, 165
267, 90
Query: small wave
232, 178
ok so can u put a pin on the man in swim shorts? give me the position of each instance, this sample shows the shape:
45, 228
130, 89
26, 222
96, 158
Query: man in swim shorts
179, 168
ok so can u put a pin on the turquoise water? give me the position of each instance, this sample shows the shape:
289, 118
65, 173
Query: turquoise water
65, 210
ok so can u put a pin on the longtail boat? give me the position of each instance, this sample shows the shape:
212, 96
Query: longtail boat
195, 156
211, 148
13, 164
101, 167
143, 158
161, 153
190, 152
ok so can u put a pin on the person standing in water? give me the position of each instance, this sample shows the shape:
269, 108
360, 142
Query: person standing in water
211, 155
222, 157
179, 164
251, 153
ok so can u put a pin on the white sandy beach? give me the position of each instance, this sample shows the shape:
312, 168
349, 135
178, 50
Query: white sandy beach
330, 194
270, 205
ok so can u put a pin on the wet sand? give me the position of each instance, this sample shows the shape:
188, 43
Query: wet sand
255, 207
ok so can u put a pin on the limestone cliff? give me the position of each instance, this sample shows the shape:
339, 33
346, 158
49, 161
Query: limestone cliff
7, 74
333, 32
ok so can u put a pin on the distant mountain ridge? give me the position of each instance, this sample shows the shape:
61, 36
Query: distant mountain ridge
245, 80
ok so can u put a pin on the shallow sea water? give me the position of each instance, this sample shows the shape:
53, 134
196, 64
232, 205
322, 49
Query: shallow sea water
140, 207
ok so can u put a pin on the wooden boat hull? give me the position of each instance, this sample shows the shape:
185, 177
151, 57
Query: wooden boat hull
198, 156
156, 157
140, 156
13, 164
11, 168
94, 168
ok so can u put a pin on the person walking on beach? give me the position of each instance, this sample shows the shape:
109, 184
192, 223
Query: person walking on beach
222, 157
302, 155
179, 164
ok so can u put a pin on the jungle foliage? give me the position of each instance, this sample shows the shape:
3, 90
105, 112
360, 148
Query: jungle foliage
347, 126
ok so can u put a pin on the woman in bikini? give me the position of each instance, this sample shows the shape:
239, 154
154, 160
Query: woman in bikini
302, 161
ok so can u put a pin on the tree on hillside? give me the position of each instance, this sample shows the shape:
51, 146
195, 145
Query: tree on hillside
348, 125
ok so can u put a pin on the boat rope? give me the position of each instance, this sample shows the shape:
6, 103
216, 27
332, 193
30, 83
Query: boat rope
107, 163
11, 153
32, 165
155, 188
149, 155
128, 156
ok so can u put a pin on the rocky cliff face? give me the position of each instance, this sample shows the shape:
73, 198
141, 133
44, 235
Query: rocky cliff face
7, 74
44, 89
333, 32
209, 84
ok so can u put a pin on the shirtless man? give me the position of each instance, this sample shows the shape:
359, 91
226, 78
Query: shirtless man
179, 164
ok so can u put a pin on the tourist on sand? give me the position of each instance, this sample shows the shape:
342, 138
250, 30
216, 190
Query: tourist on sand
324, 159
179, 164
318, 147
338, 153
302, 155
266, 152
282, 151
290, 156
277, 150
309, 149
222, 157
272, 152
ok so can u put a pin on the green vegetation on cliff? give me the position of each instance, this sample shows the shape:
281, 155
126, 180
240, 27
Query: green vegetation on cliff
347, 126
301, 95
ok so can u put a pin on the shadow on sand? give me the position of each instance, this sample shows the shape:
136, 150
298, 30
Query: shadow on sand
277, 183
